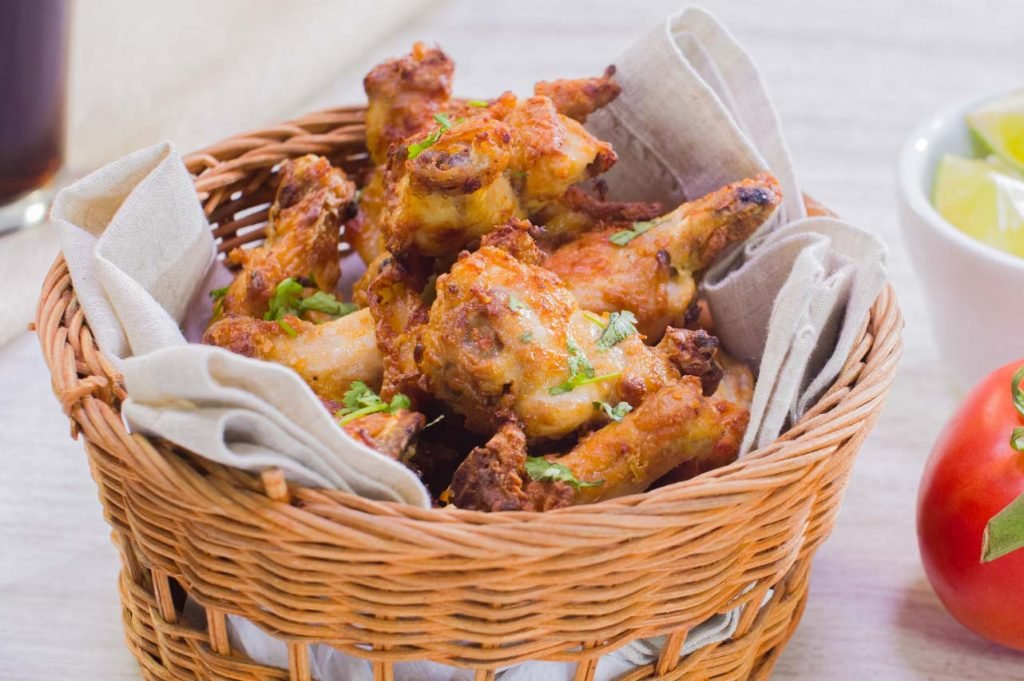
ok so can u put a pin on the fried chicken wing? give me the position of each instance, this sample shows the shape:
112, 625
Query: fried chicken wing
453, 192
391, 434
302, 238
328, 356
448, 187
403, 95
675, 426
506, 340
649, 268
580, 97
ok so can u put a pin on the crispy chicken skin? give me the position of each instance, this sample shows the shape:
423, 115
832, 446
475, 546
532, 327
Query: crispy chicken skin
653, 274
302, 237
737, 382
503, 334
393, 435
403, 95
675, 426
493, 478
580, 97
327, 356
513, 159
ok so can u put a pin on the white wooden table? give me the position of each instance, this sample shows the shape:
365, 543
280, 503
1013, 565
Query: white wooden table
849, 80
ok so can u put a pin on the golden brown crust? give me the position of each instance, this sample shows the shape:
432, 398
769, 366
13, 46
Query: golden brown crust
393, 435
303, 232
493, 478
693, 353
673, 426
403, 96
399, 314
652, 275
327, 356
578, 98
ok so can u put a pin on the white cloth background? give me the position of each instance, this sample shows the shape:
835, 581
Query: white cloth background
693, 115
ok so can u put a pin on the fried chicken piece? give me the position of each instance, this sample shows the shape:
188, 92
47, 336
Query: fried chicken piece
737, 384
302, 237
365, 232
391, 434
482, 170
327, 356
675, 426
693, 353
395, 298
580, 97
403, 95
493, 478
652, 274
506, 340
451, 193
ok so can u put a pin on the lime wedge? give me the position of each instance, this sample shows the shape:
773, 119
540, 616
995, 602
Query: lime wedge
982, 202
1000, 125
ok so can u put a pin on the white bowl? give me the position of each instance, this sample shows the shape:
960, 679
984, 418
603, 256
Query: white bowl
975, 293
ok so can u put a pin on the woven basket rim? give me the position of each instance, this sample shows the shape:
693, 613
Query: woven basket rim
814, 435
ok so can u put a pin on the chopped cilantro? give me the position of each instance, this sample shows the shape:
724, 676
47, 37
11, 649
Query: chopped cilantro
620, 326
287, 300
218, 293
581, 371
542, 470
430, 140
623, 237
478, 103
360, 400
616, 413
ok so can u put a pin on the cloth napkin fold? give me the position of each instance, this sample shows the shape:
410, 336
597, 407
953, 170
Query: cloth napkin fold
139, 250
693, 116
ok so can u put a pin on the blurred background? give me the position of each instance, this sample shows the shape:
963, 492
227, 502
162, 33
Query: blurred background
849, 81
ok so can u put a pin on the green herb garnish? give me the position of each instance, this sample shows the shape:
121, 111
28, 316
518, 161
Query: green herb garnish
597, 319
542, 470
360, 400
625, 236
478, 103
526, 337
616, 413
287, 300
321, 301
620, 326
581, 371
218, 293
430, 140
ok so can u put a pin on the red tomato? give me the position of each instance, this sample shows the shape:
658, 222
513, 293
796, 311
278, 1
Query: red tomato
972, 475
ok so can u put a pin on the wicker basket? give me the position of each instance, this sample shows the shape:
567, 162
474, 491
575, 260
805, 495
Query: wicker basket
389, 582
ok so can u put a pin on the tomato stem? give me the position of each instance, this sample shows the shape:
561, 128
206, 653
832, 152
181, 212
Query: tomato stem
1005, 532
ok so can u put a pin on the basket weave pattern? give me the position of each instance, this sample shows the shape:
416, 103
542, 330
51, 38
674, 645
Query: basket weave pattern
388, 582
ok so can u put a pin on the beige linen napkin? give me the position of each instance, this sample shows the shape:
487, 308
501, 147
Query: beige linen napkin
139, 250
693, 116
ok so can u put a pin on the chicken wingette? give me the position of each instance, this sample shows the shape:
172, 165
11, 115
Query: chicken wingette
648, 267
302, 236
677, 425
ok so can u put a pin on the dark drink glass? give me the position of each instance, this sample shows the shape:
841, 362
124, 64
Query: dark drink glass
33, 85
